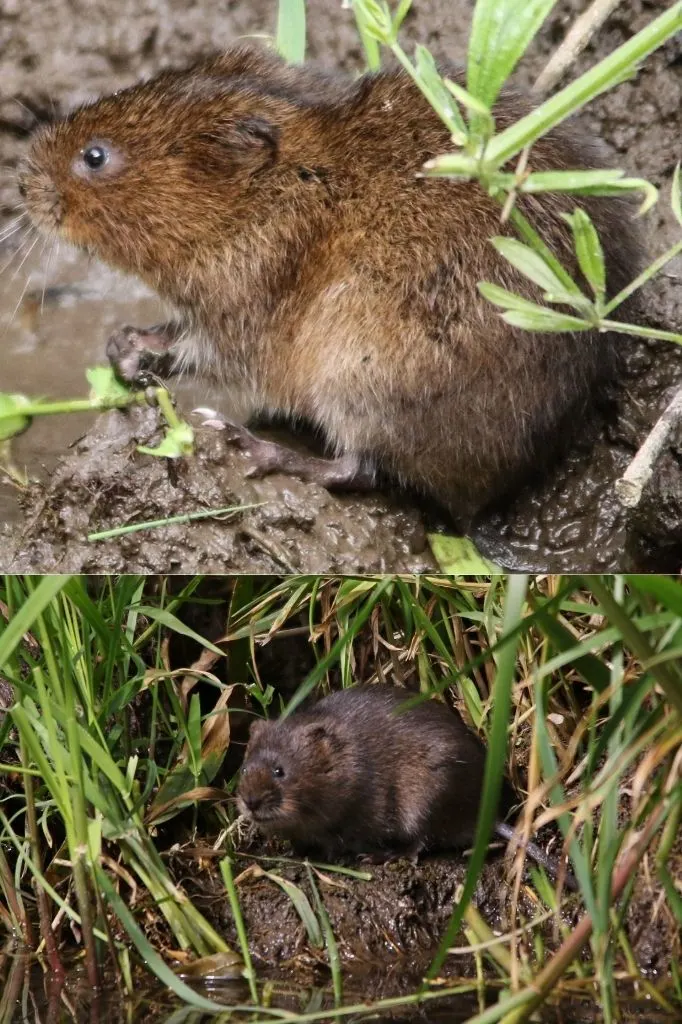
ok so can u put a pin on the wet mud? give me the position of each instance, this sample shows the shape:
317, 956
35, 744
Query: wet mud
571, 520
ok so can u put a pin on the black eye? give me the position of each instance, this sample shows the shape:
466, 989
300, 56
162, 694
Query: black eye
278, 771
95, 157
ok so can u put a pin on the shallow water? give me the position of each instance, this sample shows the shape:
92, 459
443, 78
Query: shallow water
30, 997
56, 313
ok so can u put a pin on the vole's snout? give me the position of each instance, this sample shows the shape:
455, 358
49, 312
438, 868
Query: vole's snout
41, 198
251, 802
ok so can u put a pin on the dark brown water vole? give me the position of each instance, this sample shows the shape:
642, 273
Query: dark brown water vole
279, 211
355, 774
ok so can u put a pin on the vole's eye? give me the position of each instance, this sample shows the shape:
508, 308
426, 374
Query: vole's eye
98, 159
95, 157
278, 771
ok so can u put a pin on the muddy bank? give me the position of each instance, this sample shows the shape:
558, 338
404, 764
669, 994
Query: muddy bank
296, 528
395, 916
570, 521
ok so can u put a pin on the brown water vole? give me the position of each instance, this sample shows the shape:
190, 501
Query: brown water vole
279, 211
355, 774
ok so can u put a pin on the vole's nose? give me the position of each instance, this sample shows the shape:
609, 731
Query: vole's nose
252, 802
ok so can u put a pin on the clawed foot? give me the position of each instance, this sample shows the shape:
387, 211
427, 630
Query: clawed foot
268, 457
140, 356
391, 856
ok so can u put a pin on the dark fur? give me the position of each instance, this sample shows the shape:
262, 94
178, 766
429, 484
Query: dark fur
362, 777
279, 211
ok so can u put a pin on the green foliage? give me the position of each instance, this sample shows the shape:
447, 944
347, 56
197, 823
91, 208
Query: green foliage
501, 32
111, 742
291, 30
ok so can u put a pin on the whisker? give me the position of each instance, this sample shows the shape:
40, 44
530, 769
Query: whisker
23, 106
30, 241
15, 253
54, 239
23, 290
36, 241
12, 227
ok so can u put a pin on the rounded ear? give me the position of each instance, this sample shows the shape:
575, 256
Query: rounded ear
250, 142
256, 728
325, 736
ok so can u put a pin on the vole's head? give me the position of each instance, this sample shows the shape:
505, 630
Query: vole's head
163, 173
290, 774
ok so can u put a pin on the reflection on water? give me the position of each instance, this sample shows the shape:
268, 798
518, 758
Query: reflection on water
29, 996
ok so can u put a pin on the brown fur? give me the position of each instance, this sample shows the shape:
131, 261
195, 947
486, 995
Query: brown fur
278, 210
361, 776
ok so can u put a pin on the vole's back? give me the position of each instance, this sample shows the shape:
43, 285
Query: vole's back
417, 772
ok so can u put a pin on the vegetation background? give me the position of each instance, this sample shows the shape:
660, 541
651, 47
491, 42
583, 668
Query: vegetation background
128, 699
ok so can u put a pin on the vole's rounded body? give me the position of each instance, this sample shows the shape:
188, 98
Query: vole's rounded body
356, 774
280, 213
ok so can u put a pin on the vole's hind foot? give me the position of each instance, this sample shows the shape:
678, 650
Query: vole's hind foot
343, 473
410, 853
142, 355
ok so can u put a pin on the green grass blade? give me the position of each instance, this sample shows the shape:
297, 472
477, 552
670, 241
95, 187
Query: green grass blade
494, 765
291, 30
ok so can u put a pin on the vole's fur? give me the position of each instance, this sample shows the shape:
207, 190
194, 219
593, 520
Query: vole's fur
280, 212
356, 773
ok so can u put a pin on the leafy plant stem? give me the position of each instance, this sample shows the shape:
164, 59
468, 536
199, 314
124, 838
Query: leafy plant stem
570, 948
576, 95
666, 677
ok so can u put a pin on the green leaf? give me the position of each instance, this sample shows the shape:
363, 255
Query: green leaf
529, 263
507, 300
569, 181
588, 250
172, 622
376, 19
586, 183
578, 93
439, 96
148, 954
179, 441
482, 114
11, 420
500, 33
452, 165
545, 320
459, 556
291, 30
105, 387
529, 315
11, 633
301, 905
514, 602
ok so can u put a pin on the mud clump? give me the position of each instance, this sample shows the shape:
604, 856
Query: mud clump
297, 527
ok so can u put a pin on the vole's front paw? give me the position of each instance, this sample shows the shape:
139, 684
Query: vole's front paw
139, 356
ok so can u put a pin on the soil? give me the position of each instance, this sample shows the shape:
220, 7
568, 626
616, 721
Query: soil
59, 52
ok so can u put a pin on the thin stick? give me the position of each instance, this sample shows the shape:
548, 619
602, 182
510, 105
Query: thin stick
631, 484
577, 38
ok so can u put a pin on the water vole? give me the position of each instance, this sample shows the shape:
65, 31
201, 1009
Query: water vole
355, 774
279, 211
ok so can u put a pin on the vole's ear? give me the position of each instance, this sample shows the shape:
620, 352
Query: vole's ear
257, 727
324, 736
250, 141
